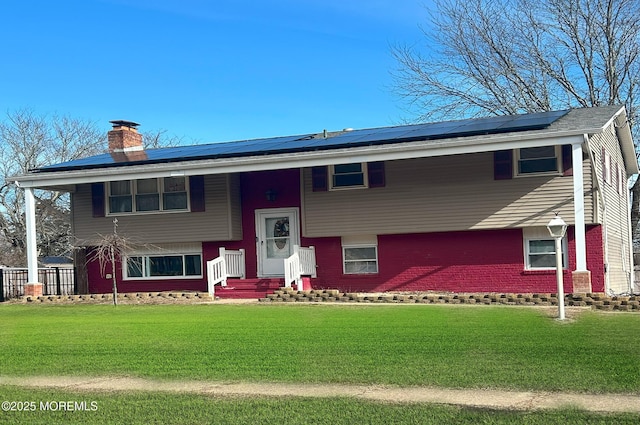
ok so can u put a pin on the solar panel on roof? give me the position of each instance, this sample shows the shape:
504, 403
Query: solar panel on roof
483, 125
299, 143
535, 121
372, 137
339, 139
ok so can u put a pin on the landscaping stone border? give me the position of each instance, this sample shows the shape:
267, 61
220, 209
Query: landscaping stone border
597, 301
171, 297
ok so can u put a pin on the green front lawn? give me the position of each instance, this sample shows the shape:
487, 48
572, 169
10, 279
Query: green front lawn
474, 347
166, 409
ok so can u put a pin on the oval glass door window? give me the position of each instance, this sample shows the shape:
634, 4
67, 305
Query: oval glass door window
278, 237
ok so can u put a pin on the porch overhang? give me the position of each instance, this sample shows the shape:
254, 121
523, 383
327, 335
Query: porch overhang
59, 180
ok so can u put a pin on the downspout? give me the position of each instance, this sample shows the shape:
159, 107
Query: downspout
597, 187
631, 272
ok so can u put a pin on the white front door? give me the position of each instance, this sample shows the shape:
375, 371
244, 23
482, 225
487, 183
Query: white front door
277, 232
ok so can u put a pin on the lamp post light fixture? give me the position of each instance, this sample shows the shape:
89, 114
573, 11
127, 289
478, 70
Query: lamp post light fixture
558, 228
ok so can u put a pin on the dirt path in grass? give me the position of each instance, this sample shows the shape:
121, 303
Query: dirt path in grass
492, 399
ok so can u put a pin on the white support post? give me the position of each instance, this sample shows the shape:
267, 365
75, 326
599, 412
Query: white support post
30, 224
578, 205
559, 278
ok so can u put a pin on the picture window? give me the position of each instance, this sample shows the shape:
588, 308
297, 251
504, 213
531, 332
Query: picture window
153, 266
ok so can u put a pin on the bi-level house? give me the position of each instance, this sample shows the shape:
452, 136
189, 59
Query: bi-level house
451, 206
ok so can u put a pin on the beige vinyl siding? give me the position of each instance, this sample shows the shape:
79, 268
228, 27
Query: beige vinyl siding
614, 211
217, 223
441, 194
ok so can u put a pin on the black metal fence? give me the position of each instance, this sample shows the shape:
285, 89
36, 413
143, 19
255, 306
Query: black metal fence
55, 281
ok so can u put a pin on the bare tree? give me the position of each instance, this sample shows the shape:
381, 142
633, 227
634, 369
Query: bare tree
109, 250
29, 141
496, 57
112, 249
160, 139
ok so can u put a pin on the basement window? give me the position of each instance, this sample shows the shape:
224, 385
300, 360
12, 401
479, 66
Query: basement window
157, 265
540, 250
360, 254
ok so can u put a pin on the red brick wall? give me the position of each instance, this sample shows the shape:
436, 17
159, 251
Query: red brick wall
473, 261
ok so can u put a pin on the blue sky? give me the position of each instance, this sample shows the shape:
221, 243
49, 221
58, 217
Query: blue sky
208, 70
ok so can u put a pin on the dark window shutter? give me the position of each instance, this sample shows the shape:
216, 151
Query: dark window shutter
503, 165
376, 174
97, 199
196, 193
319, 179
567, 161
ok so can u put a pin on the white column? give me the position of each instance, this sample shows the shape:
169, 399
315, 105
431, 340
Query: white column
559, 278
32, 245
578, 207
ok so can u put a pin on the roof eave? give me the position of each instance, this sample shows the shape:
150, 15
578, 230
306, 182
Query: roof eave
419, 149
623, 131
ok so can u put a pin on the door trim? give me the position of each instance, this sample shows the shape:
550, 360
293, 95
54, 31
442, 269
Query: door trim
294, 231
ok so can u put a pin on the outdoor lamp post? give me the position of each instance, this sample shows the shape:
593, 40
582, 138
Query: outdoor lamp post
557, 228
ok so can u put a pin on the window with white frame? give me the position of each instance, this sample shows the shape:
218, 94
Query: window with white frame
347, 176
540, 249
538, 160
120, 200
360, 254
148, 195
164, 264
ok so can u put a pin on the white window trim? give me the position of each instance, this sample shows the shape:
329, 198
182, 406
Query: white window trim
162, 252
360, 241
565, 256
133, 190
557, 172
365, 178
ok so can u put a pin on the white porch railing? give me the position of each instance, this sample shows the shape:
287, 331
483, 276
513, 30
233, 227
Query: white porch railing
301, 263
230, 263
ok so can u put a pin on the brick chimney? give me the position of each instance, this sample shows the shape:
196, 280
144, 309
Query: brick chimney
125, 143
124, 137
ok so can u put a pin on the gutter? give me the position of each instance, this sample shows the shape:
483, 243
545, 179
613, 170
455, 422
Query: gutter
389, 152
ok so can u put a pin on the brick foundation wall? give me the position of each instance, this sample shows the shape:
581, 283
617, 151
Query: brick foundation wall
471, 261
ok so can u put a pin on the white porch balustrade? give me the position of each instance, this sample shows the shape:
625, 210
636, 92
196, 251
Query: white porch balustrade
301, 263
229, 263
